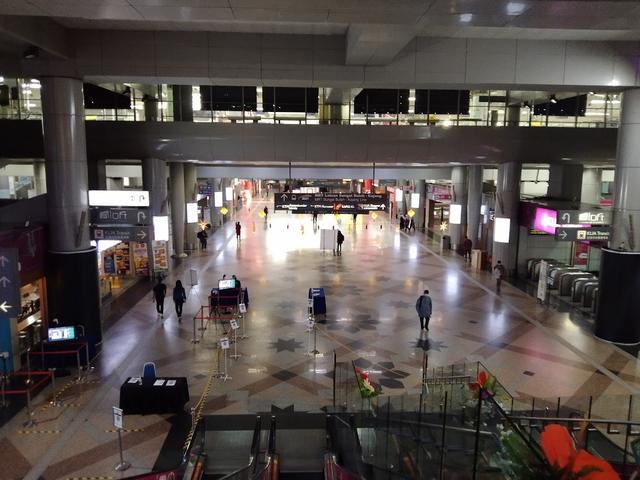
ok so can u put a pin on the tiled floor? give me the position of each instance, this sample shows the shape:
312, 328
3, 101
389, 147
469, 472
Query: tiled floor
371, 291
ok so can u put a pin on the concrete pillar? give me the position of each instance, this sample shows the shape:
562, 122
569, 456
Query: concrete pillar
513, 116
216, 216
190, 192
565, 182
150, 108
176, 185
182, 103
459, 182
39, 172
626, 209
227, 182
591, 186
474, 202
97, 174
72, 260
154, 179
507, 204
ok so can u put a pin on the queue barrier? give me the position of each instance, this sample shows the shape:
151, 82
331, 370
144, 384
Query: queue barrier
57, 354
24, 383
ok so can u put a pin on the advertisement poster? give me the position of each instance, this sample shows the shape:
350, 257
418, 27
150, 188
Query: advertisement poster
109, 265
123, 259
140, 259
581, 255
160, 261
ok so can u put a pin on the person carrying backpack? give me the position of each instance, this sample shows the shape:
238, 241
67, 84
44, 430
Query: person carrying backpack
179, 297
340, 240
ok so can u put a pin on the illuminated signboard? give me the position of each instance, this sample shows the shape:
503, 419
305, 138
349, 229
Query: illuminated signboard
545, 220
455, 214
118, 198
501, 228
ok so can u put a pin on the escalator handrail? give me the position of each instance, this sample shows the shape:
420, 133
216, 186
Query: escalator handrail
253, 456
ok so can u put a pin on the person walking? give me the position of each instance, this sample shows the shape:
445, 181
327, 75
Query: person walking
315, 217
340, 240
412, 225
467, 244
179, 297
402, 223
159, 292
498, 273
266, 212
238, 231
202, 236
424, 307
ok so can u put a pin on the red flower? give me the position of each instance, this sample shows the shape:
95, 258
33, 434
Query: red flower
560, 451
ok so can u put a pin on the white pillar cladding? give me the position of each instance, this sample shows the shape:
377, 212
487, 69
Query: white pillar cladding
459, 183
474, 202
190, 194
626, 206
507, 204
421, 189
176, 180
216, 216
591, 186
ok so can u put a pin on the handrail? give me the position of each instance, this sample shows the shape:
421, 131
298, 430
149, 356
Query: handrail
250, 468
576, 419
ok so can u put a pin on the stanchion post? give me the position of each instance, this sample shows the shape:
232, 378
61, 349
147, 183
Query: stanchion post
315, 331
54, 402
30, 420
122, 466
28, 366
234, 327
194, 340
79, 379
5, 377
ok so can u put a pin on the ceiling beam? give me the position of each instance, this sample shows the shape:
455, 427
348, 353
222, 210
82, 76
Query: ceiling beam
371, 45
40, 32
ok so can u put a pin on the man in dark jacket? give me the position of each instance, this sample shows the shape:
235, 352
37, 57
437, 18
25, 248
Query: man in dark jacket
159, 292
423, 307
340, 240
467, 245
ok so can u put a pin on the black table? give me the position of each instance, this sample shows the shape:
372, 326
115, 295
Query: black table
228, 298
147, 398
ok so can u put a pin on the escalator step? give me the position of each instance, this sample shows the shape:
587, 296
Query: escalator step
301, 476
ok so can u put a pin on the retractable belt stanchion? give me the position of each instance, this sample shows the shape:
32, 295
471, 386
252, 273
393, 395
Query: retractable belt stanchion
28, 366
242, 308
311, 327
31, 422
224, 345
55, 402
234, 327
79, 379
194, 340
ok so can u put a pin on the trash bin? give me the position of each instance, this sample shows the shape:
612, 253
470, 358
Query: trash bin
445, 243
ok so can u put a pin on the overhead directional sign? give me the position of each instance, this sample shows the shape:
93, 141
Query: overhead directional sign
9, 282
588, 234
118, 198
577, 217
124, 234
330, 202
120, 216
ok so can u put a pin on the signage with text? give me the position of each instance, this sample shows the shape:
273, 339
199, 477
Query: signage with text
9, 282
117, 417
124, 234
593, 217
119, 216
118, 198
588, 234
330, 202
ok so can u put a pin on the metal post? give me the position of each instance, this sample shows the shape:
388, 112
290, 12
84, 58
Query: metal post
444, 435
30, 420
235, 355
79, 367
4, 381
315, 331
226, 376
54, 402
194, 340
28, 366
334, 379
477, 439
243, 335
122, 466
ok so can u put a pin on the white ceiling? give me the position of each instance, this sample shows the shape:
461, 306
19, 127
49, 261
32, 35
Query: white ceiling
527, 19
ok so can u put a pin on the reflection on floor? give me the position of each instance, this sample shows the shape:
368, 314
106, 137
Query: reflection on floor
371, 291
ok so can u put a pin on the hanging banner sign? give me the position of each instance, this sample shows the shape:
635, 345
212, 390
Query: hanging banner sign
118, 198
124, 234
589, 234
330, 202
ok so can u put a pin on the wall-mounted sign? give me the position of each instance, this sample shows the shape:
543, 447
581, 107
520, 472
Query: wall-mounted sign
119, 216
455, 214
589, 234
205, 189
228, 193
501, 227
592, 217
330, 202
399, 194
192, 212
415, 200
545, 220
217, 199
124, 234
161, 228
9, 283
118, 198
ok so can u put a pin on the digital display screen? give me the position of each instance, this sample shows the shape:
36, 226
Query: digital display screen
226, 284
545, 220
62, 333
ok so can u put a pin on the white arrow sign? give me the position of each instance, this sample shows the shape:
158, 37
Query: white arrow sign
4, 281
562, 234
283, 196
3, 261
142, 235
4, 306
141, 217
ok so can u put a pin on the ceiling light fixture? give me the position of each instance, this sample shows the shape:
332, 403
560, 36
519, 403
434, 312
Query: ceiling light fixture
553, 99
31, 52
515, 8
466, 17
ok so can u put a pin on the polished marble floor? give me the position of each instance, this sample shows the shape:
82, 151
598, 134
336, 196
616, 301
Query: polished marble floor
371, 291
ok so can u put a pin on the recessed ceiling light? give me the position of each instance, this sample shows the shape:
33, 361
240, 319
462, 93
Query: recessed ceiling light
466, 17
515, 8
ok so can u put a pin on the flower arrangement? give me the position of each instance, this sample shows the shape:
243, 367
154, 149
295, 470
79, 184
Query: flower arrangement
367, 388
567, 462
484, 385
